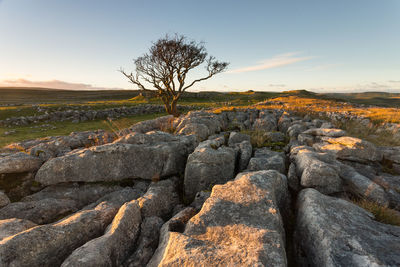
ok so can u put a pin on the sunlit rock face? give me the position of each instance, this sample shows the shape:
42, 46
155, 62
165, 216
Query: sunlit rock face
335, 232
239, 224
118, 161
350, 148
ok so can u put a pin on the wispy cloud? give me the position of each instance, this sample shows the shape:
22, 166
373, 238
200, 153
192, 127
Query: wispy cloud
276, 85
322, 67
393, 81
274, 62
54, 84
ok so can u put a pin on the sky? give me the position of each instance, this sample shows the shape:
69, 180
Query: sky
322, 46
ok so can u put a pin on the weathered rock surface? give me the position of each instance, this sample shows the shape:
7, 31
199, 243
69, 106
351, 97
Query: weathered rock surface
361, 186
334, 232
322, 177
19, 162
81, 194
10, 227
160, 198
208, 166
325, 132
117, 161
41, 211
4, 200
49, 245
176, 223
113, 247
147, 242
266, 159
236, 138
240, 224
350, 148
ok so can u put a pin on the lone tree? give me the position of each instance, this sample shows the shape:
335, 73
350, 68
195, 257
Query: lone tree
166, 65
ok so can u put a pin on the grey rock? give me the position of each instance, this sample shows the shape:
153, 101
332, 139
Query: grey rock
334, 232
391, 154
177, 222
199, 199
206, 167
117, 161
322, 177
41, 211
275, 137
147, 242
114, 246
81, 194
239, 225
306, 139
19, 162
10, 227
325, 132
363, 187
50, 244
4, 200
350, 148
271, 163
244, 154
235, 138
293, 179
160, 198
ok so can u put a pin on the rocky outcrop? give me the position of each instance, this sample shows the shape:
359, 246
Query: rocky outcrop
10, 227
335, 232
19, 163
240, 224
266, 159
117, 161
350, 148
111, 248
49, 245
4, 200
208, 165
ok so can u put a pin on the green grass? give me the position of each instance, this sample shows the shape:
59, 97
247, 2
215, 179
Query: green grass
65, 128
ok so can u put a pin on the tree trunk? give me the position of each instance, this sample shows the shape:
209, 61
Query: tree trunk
174, 108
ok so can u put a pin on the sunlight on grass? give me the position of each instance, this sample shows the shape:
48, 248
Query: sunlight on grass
382, 214
65, 128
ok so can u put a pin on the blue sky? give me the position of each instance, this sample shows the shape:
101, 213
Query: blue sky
340, 45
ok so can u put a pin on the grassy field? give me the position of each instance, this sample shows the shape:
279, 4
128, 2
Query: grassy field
65, 128
36, 101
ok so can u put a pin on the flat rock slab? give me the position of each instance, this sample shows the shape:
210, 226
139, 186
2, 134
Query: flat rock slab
19, 162
113, 162
50, 244
335, 232
239, 225
350, 148
10, 227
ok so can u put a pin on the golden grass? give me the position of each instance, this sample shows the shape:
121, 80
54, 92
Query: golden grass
382, 214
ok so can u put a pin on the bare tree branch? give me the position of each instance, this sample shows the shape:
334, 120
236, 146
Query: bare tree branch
166, 65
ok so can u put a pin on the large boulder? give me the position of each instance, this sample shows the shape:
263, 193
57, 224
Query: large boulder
236, 138
118, 161
350, 148
206, 166
4, 200
335, 232
147, 242
10, 227
361, 186
113, 247
325, 132
19, 162
42, 211
50, 244
81, 194
239, 225
266, 159
322, 177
